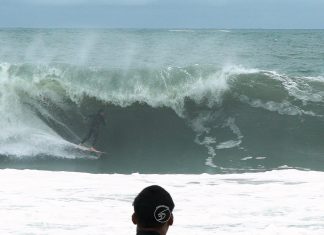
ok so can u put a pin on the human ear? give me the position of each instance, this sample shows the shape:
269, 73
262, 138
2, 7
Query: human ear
170, 222
134, 219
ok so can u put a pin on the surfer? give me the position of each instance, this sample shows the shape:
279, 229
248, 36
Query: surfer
97, 120
153, 208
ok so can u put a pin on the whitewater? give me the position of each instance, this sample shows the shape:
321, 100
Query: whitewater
229, 121
274, 202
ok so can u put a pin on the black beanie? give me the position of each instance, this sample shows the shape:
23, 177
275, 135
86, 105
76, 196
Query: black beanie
153, 206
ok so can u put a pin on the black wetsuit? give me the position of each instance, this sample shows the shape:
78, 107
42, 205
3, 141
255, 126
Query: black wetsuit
147, 233
97, 120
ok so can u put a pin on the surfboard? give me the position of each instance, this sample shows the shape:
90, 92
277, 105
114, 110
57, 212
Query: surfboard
90, 150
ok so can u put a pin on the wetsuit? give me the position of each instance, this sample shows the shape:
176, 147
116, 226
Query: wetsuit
139, 232
96, 121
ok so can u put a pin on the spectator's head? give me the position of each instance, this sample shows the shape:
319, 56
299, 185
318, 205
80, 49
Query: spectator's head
153, 208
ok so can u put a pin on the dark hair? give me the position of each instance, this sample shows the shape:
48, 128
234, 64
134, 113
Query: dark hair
153, 207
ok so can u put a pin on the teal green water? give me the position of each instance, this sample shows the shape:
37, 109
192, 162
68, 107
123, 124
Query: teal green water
289, 51
177, 100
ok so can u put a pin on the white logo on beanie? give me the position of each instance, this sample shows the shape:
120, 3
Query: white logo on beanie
162, 213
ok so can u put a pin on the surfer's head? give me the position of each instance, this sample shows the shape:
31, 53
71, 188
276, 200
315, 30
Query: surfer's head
153, 208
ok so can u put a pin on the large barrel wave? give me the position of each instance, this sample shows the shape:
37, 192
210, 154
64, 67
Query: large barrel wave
173, 119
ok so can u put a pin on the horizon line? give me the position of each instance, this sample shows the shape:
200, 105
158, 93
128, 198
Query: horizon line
155, 28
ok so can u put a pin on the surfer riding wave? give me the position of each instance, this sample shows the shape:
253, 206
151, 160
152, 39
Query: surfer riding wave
97, 120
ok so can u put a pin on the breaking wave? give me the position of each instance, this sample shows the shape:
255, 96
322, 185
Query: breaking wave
195, 118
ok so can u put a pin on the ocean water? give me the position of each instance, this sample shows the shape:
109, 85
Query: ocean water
213, 115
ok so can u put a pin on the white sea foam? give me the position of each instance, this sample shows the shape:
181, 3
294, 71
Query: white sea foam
260, 158
23, 133
299, 87
265, 203
228, 144
246, 158
283, 108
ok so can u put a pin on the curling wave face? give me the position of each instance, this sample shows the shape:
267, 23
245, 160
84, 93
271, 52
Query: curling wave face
228, 118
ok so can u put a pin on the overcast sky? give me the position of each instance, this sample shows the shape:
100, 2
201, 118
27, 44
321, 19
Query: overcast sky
274, 14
